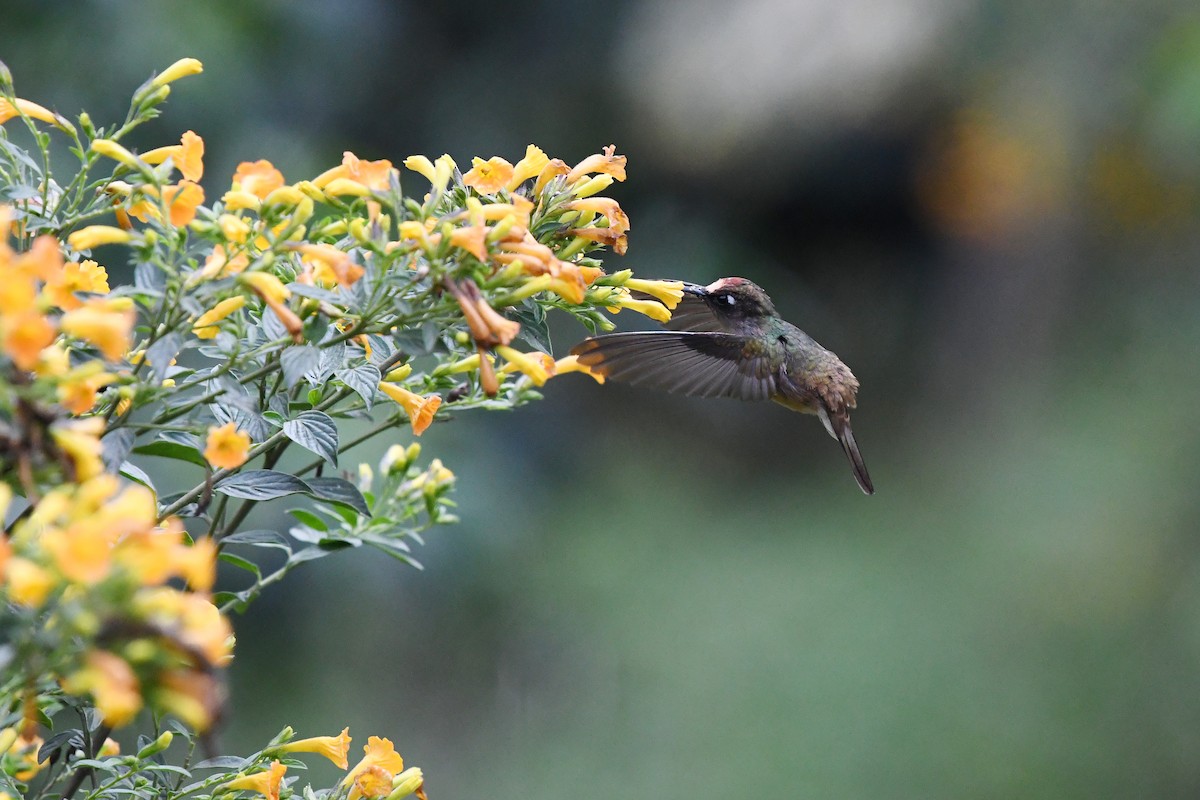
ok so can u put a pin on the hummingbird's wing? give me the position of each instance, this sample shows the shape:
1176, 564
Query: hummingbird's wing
694, 314
685, 362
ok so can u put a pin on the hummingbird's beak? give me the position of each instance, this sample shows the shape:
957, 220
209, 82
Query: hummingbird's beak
695, 289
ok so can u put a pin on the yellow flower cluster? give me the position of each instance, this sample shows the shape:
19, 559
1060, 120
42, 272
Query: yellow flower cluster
92, 559
380, 773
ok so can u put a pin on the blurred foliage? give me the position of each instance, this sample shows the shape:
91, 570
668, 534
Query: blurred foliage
1014, 612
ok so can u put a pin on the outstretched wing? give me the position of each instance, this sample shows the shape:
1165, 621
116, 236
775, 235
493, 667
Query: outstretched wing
692, 363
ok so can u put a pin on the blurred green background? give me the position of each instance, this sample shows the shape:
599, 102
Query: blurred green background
988, 209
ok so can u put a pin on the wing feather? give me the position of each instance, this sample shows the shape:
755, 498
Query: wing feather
702, 364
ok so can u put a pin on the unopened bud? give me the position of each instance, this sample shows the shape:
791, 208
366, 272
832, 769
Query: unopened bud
157, 746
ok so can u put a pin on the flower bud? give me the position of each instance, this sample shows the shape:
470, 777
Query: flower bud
157, 746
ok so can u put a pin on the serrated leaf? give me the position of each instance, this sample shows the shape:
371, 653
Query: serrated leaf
339, 491
363, 379
316, 432
262, 484
297, 361
172, 449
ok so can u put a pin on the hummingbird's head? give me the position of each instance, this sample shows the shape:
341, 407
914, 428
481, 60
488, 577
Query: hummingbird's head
734, 298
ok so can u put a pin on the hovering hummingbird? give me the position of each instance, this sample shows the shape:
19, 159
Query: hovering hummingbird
727, 340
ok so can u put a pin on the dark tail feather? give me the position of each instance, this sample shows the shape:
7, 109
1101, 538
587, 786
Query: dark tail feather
841, 429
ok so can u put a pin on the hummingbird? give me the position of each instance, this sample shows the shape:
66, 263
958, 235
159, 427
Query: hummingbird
727, 340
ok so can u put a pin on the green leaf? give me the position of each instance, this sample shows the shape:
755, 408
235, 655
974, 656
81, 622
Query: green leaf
259, 538
297, 361
244, 563
232, 763
309, 519
363, 379
339, 491
160, 354
534, 329
175, 450
262, 484
134, 473
316, 432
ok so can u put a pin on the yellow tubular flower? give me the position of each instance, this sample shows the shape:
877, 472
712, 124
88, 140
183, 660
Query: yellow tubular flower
617, 219
226, 447
368, 175
335, 748
554, 167
266, 285
378, 752
422, 165
265, 783
528, 167
87, 276
669, 293
443, 169
206, 326
107, 324
572, 364
96, 235
113, 150
420, 409
18, 107
26, 583
488, 177
111, 682
181, 199
407, 782
187, 156
651, 308
472, 239
180, 69
593, 186
194, 697
538, 366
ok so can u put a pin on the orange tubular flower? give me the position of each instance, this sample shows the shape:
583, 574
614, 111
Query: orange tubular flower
265, 783
604, 162
96, 235
371, 783
606, 236
331, 264
258, 178
181, 199
226, 446
488, 177
25, 335
9, 110
617, 219
187, 156
370, 175
78, 394
473, 239
487, 326
420, 409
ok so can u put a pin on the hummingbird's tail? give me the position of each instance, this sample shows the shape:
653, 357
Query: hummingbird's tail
838, 426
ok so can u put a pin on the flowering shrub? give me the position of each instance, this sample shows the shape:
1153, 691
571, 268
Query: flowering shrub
256, 323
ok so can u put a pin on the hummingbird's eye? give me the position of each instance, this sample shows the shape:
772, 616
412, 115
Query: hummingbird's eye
726, 301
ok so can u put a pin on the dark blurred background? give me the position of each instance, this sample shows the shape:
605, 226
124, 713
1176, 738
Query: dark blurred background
988, 209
